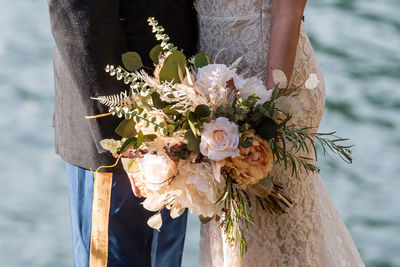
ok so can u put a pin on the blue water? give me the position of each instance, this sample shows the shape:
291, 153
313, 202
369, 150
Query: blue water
357, 43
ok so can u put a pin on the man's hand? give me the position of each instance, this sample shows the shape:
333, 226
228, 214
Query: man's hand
135, 190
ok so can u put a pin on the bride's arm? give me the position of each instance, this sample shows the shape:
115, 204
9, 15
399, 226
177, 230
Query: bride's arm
284, 35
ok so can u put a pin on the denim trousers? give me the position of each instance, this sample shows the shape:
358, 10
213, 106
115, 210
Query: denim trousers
131, 241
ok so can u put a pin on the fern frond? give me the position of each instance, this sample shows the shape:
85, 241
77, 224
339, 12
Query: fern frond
121, 101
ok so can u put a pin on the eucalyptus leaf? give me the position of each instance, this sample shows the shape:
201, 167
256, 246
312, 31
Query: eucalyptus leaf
149, 137
140, 138
202, 111
170, 111
157, 102
126, 129
170, 70
129, 142
155, 53
132, 61
201, 60
193, 143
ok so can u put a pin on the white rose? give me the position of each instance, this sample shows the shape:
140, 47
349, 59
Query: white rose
155, 170
196, 189
220, 139
251, 86
211, 76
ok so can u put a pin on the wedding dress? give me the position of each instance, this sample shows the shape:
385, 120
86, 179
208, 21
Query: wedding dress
312, 233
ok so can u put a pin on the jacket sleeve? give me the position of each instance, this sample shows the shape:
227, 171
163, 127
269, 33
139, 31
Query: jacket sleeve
88, 36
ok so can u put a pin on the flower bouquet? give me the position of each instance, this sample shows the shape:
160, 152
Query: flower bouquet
200, 136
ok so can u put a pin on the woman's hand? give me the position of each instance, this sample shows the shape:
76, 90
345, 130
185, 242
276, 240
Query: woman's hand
135, 190
284, 36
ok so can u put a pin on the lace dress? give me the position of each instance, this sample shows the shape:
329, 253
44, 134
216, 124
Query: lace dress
312, 233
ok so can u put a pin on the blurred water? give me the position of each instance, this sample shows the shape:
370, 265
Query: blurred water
357, 44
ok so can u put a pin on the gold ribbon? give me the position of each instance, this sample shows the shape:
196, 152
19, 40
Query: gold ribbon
100, 219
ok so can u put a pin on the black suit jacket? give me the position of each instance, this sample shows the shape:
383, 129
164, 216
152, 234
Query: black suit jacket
90, 34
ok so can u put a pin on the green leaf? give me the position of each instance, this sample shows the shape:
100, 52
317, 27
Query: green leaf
205, 220
267, 182
171, 128
155, 52
149, 137
245, 142
183, 154
129, 142
132, 61
193, 143
140, 138
201, 60
126, 129
157, 102
192, 119
170, 70
170, 111
202, 111
185, 125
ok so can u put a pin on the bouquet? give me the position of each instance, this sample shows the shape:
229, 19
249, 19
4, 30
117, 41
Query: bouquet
201, 136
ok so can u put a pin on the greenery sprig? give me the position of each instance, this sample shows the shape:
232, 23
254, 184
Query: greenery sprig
236, 207
161, 36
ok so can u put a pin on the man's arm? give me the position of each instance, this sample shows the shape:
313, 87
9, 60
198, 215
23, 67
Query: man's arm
284, 36
89, 36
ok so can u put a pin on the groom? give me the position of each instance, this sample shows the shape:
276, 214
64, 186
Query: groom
90, 34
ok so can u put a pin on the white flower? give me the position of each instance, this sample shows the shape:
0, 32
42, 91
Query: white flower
211, 76
251, 86
153, 171
211, 81
111, 145
312, 81
220, 139
195, 188
290, 105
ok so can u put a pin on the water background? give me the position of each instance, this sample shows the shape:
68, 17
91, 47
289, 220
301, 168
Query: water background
358, 45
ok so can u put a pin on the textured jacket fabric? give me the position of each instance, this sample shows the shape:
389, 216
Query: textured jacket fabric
90, 34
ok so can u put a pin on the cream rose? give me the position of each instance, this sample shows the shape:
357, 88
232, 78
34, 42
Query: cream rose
220, 139
141, 125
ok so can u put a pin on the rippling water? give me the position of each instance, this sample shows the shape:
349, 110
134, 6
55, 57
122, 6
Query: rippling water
357, 44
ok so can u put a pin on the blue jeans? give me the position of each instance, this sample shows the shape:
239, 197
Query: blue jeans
131, 241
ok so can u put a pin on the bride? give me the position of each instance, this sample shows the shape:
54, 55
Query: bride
271, 35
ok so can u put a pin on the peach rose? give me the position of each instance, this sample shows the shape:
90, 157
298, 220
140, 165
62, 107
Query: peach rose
254, 163
220, 139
